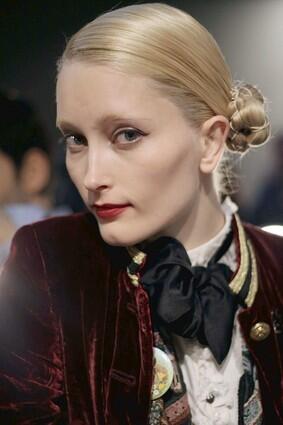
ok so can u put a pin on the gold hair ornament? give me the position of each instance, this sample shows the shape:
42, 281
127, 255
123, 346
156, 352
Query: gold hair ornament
245, 131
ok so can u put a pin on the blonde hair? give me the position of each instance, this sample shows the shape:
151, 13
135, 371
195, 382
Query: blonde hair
181, 58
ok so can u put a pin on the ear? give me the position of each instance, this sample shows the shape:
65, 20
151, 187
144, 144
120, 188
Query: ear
213, 134
35, 172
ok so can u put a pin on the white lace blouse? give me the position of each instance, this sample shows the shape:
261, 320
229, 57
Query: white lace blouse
212, 389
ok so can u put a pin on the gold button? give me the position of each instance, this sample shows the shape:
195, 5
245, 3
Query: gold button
260, 331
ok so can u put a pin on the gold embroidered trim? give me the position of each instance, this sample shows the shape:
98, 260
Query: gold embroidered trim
246, 256
254, 278
137, 255
138, 258
134, 278
238, 281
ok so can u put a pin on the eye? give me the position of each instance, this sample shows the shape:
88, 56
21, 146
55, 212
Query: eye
128, 136
73, 141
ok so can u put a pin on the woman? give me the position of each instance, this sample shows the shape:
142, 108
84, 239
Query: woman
158, 306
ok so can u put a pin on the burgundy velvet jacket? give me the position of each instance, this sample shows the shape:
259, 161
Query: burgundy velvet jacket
75, 334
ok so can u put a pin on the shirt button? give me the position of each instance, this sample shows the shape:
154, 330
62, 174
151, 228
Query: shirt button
210, 398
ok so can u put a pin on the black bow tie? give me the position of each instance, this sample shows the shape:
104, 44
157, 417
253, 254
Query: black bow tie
193, 302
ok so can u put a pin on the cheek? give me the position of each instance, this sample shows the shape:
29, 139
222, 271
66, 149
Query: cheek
167, 174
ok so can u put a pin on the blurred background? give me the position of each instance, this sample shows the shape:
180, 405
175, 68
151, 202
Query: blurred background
32, 37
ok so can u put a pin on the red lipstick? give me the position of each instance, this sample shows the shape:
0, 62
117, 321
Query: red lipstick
109, 210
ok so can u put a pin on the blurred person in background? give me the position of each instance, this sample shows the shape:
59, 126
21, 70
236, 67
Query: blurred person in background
25, 169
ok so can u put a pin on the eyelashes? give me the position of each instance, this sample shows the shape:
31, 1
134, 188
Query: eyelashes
127, 136
72, 140
131, 135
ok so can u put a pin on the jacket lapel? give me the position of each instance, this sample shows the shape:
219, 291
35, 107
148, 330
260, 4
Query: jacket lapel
262, 331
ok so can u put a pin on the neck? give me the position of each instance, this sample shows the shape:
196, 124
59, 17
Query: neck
209, 221
203, 222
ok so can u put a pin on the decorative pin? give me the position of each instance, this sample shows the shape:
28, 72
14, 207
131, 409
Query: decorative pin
163, 374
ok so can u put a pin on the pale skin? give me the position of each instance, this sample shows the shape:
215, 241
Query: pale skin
129, 144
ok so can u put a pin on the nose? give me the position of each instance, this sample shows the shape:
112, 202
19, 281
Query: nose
96, 176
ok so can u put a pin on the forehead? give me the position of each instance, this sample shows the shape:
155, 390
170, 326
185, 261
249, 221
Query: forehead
86, 80
86, 92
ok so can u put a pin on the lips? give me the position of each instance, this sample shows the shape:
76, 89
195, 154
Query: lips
110, 210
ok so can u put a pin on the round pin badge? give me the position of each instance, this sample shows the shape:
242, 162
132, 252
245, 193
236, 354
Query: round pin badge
163, 373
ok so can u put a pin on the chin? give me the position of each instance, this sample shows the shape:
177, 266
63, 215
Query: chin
120, 238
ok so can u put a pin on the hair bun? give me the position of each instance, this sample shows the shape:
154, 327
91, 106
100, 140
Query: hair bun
249, 123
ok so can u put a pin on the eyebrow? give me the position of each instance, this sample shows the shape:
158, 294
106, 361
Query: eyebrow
64, 124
